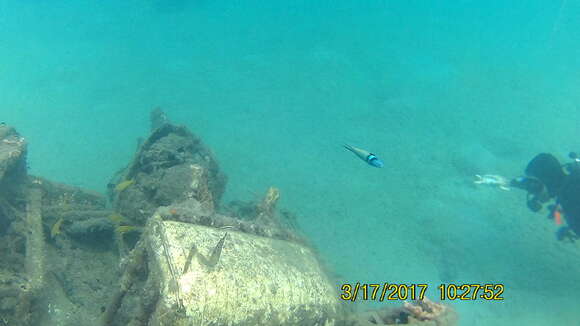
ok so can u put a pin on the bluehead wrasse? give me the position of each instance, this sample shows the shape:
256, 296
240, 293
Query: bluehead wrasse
366, 156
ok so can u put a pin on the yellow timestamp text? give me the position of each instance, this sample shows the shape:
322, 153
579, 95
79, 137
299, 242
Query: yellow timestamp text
381, 292
471, 292
394, 291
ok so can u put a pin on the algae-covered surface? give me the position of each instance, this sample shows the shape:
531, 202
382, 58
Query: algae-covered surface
256, 280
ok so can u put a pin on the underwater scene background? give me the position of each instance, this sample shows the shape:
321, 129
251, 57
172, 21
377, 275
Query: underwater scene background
440, 91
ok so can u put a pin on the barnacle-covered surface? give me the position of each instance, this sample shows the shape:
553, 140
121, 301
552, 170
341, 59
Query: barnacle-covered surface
256, 280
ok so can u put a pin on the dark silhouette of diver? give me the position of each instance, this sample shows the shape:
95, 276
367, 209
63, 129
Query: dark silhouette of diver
546, 179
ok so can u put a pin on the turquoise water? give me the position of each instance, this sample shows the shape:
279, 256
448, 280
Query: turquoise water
440, 91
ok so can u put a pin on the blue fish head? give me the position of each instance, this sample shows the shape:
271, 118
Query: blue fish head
376, 162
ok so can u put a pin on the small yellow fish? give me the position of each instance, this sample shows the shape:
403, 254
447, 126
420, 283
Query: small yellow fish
124, 185
117, 218
55, 230
122, 229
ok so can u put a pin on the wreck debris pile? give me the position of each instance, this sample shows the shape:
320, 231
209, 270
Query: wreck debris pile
21, 260
35, 212
163, 250
168, 168
211, 266
174, 171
